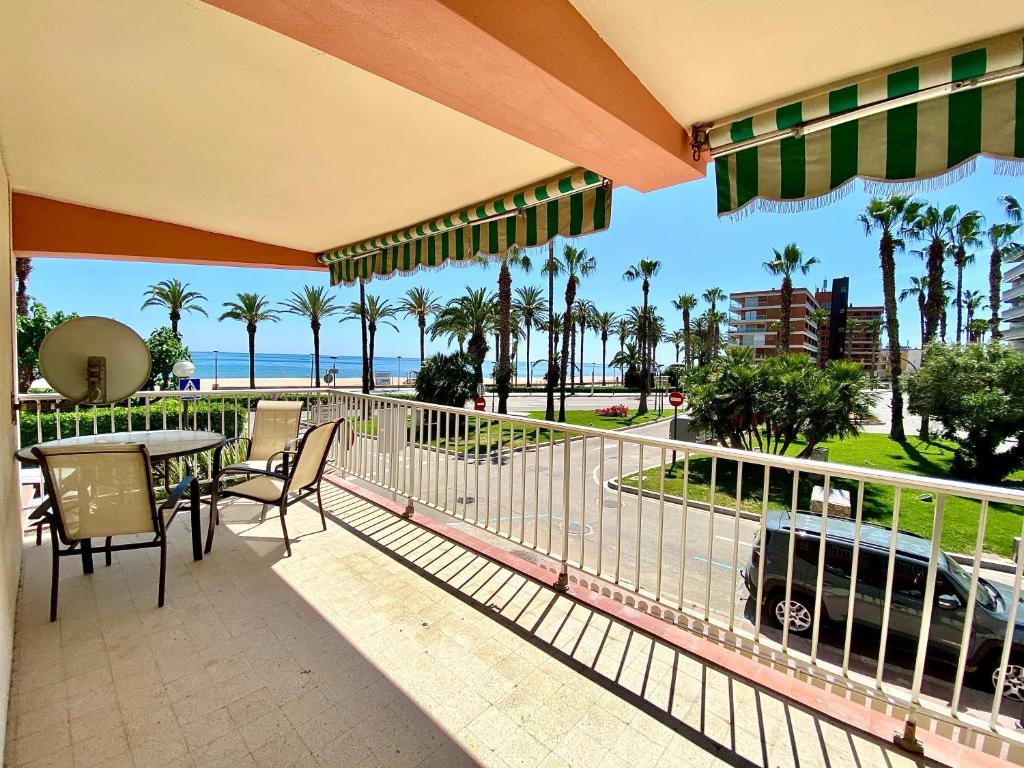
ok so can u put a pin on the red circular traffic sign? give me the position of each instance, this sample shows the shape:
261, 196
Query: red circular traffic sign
480, 404
675, 399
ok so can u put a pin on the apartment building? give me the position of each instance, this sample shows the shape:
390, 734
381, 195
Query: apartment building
852, 333
754, 321
1013, 299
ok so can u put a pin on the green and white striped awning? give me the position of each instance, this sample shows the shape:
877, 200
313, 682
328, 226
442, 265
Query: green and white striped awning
924, 120
577, 203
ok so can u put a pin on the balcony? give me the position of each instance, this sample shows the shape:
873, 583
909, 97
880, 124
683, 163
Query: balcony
1013, 312
485, 630
1015, 272
1014, 292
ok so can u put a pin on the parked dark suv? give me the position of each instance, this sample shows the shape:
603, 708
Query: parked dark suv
952, 584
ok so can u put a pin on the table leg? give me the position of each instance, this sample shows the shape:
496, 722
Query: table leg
197, 536
86, 556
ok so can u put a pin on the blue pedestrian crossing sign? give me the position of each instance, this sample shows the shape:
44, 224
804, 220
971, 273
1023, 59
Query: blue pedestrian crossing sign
189, 385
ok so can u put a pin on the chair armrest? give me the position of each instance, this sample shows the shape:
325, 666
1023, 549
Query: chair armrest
285, 454
175, 498
220, 449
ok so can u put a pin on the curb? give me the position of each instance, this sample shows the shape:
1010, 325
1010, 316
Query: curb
1001, 566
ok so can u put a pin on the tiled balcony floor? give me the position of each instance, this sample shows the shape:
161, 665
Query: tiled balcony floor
378, 643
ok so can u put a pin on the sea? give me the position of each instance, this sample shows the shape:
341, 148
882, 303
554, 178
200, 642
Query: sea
235, 365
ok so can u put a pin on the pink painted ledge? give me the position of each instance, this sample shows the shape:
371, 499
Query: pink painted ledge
831, 705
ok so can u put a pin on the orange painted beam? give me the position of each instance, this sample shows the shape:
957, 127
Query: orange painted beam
43, 227
534, 69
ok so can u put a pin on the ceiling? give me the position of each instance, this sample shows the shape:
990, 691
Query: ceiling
710, 59
177, 111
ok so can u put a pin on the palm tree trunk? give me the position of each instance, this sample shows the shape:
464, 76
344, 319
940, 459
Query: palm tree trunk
372, 333
549, 407
503, 370
362, 333
959, 294
567, 326
922, 312
572, 359
583, 333
934, 301
22, 268
604, 359
784, 314
423, 339
175, 317
686, 338
995, 279
316, 350
252, 356
886, 249
529, 378
645, 368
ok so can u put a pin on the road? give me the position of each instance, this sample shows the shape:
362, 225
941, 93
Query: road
521, 500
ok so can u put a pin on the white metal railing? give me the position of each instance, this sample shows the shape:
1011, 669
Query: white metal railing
521, 480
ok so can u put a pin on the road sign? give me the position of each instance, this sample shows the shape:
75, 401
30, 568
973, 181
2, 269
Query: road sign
480, 404
189, 385
675, 399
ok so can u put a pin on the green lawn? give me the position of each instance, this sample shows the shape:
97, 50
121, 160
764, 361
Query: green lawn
866, 450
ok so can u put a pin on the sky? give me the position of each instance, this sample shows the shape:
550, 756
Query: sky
677, 226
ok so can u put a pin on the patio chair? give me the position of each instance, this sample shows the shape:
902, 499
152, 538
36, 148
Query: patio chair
301, 478
275, 429
102, 491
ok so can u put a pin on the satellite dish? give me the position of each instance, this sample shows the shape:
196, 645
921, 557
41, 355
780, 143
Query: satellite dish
94, 360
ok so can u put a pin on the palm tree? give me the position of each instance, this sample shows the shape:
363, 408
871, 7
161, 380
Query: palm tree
367, 361
513, 257
972, 301
552, 267
577, 264
627, 358
603, 323
678, 340
375, 312
474, 316
175, 297
786, 264
1011, 207
251, 309
643, 270
420, 303
713, 296
890, 218
685, 304
531, 309
976, 330
966, 235
1003, 246
919, 289
820, 317
583, 313
934, 227
314, 303
22, 269
947, 291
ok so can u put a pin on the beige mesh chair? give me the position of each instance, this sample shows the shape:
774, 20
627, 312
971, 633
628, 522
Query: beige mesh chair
102, 491
305, 470
274, 430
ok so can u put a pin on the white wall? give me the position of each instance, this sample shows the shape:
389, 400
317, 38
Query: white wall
10, 508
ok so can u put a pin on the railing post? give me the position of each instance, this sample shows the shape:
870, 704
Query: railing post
907, 740
562, 584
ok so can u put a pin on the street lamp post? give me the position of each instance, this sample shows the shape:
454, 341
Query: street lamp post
399, 371
216, 378
184, 369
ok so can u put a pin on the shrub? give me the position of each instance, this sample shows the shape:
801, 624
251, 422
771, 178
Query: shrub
165, 349
446, 380
976, 393
620, 411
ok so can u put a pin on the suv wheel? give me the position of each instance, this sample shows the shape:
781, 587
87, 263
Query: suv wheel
801, 612
1013, 684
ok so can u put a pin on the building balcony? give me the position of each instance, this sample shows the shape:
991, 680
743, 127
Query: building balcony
1013, 312
1014, 292
1015, 272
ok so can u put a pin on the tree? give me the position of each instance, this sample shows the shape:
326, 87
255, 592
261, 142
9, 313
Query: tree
552, 267
686, 303
972, 302
889, 218
314, 303
22, 269
1003, 246
251, 309
576, 263
966, 235
820, 317
445, 380
934, 227
32, 329
712, 296
628, 360
367, 361
785, 264
976, 330
976, 393
531, 309
473, 316
165, 349
513, 257
175, 297
677, 339
919, 290
643, 271
583, 312
421, 304
767, 405
375, 312
603, 323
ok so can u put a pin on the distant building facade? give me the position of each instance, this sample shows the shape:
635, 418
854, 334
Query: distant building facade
847, 333
1013, 298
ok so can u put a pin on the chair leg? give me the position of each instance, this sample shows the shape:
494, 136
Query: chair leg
39, 533
56, 573
263, 514
108, 555
163, 568
284, 528
320, 506
214, 518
